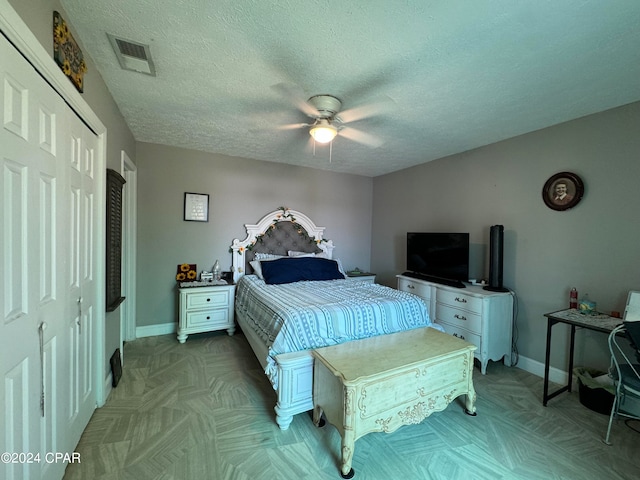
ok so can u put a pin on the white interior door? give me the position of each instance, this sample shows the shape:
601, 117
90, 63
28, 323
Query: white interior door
46, 337
31, 301
80, 288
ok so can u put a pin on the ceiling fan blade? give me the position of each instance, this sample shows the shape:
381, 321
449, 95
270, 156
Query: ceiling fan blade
360, 137
292, 126
296, 96
358, 113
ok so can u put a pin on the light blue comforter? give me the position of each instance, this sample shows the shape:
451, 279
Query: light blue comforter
307, 315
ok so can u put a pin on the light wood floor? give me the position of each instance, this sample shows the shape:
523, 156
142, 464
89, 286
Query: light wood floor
204, 410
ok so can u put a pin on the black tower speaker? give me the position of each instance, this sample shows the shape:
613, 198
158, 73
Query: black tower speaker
496, 251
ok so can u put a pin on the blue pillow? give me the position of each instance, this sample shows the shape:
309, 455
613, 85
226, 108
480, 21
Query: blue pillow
296, 269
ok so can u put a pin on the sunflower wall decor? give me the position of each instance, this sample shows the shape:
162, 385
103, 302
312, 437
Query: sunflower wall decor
66, 52
187, 272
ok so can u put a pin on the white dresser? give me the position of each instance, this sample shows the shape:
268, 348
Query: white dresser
206, 309
479, 316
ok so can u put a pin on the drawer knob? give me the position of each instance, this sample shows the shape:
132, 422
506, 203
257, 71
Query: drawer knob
208, 299
208, 318
461, 300
458, 336
460, 317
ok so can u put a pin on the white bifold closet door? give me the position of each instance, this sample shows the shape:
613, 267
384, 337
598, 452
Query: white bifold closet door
47, 299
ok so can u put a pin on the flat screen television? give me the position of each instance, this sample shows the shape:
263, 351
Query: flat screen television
438, 257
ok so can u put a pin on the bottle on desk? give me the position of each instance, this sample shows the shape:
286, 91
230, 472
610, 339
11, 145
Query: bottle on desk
573, 298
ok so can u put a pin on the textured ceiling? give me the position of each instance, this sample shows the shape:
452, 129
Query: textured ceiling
460, 73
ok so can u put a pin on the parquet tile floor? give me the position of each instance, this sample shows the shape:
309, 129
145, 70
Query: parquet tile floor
203, 410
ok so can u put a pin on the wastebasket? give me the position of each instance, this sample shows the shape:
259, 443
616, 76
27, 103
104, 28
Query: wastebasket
595, 389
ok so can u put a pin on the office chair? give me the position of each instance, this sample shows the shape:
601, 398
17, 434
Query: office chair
625, 373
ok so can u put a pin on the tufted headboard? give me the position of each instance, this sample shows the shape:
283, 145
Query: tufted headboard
277, 233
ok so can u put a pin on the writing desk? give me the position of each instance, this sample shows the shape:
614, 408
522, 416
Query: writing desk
599, 323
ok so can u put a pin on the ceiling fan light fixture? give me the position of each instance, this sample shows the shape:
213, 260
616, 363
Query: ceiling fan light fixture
323, 132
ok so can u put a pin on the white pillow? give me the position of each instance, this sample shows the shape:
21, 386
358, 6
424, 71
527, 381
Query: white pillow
255, 264
267, 256
293, 253
257, 269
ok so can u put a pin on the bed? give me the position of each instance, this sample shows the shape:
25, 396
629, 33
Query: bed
292, 297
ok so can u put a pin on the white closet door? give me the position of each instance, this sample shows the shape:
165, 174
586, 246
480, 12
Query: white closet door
46, 348
80, 288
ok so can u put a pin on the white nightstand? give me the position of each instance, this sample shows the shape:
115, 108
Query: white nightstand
205, 309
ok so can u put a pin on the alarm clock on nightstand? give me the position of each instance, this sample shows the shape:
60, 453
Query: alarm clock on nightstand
206, 276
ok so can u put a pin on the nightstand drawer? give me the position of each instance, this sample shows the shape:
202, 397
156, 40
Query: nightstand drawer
219, 316
461, 318
217, 298
206, 308
459, 300
420, 289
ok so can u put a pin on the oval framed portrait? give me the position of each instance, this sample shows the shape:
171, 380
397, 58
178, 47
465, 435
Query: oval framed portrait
563, 191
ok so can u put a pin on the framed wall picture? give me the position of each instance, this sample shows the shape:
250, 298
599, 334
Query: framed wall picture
562, 191
67, 53
196, 207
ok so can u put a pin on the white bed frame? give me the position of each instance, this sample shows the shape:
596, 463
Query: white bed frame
295, 370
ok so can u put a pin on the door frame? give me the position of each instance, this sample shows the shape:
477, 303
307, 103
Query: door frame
129, 254
18, 33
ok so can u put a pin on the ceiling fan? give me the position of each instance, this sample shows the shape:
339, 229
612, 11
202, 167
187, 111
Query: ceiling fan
328, 120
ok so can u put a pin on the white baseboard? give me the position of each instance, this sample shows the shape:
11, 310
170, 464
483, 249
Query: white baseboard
537, 368
155, 330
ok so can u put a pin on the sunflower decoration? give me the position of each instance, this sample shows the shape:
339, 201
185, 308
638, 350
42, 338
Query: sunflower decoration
186, 272
66, 67
67, 53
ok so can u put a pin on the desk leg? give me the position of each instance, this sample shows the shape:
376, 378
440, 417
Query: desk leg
571, 348
547, 355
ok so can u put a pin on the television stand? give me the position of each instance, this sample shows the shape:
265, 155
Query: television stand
428, 278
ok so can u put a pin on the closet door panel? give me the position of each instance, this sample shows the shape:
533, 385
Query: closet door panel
30, 299
47, 298
80, 167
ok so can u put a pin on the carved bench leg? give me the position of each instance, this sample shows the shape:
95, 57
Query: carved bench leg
470, 401
318, 421
348, 446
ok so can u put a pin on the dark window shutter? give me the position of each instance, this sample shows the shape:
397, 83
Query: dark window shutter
115, 183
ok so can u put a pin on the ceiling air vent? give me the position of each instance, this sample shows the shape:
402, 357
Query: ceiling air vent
133, 55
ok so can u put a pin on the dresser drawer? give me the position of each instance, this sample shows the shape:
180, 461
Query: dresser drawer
463, 334
459, 300
218, 316
217, 298
458, 317
420, 289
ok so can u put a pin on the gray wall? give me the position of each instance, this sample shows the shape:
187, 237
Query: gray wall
38, 15
240, 191
593, 246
